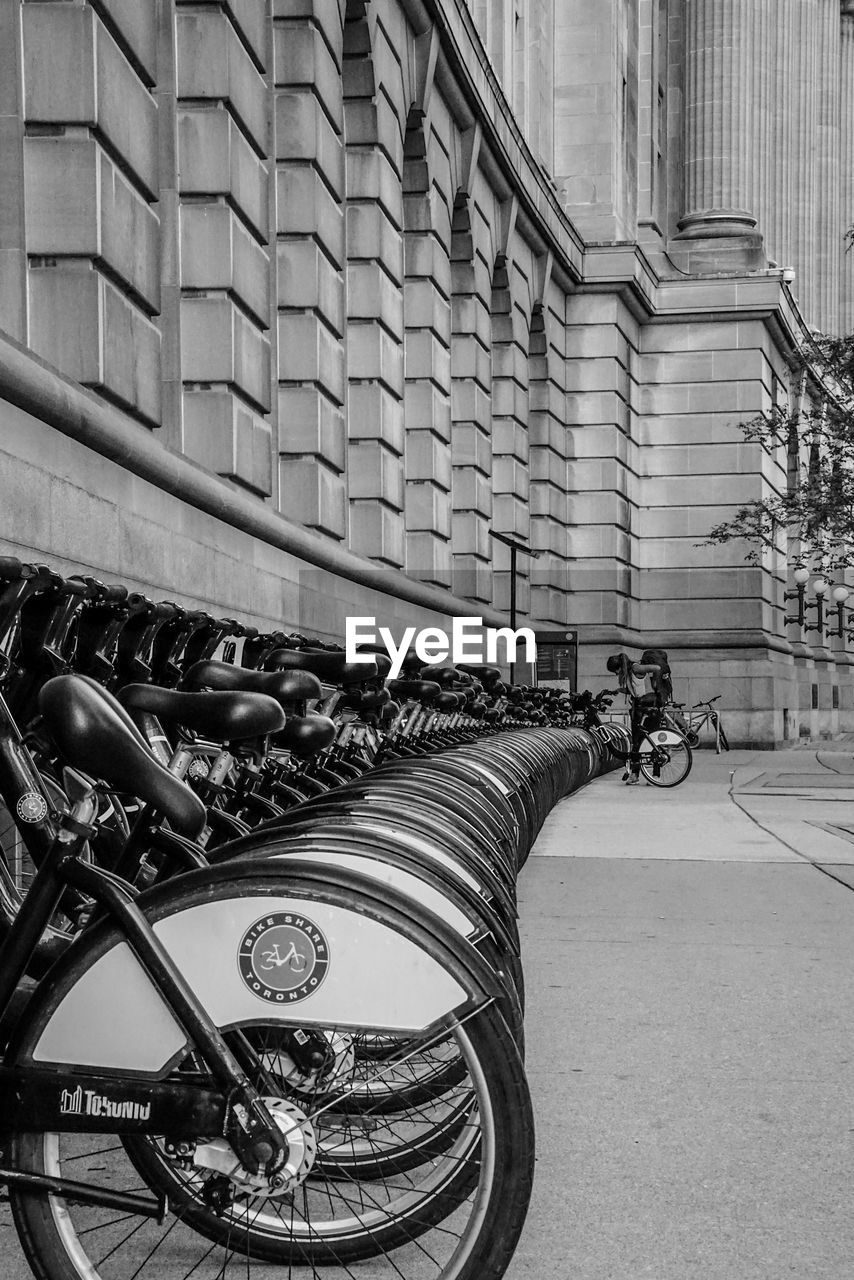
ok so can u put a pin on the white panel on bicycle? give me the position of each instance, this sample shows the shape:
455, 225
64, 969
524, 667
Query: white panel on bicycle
665, 738
399, 878
428, 850
113, 1017
361, 974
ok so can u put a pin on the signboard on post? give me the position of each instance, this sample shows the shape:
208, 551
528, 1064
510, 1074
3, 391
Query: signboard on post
557, 659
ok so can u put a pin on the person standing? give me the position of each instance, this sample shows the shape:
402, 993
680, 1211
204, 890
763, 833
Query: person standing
641, 683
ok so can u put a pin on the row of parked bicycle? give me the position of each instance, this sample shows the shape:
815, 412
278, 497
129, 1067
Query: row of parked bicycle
261, 992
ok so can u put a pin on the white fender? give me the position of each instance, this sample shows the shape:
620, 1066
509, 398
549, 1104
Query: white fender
356, 972
399, 878
664, 738
427, 849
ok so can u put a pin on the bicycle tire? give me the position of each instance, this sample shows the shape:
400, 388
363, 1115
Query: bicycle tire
681, 752
467, 1202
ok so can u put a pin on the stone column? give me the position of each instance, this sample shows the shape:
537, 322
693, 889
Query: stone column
829, 246
846, 80
717, 229
803, 94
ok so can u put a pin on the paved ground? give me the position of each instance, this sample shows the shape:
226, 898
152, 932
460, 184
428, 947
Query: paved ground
689, 960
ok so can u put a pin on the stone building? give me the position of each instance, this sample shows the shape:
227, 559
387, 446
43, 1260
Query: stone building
301, 299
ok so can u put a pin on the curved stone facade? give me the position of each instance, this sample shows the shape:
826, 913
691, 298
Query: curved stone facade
314, 249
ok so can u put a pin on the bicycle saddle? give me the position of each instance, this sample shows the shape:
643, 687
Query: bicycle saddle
487, 674
332, 668
95, 734
414, 690
367, 699
286, 687
305, 735
447, 677
449, 701
225, 717
383, 662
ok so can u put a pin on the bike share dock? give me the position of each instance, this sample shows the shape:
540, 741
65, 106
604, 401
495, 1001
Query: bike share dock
690, 986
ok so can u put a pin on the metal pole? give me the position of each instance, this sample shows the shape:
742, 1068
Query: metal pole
513, 605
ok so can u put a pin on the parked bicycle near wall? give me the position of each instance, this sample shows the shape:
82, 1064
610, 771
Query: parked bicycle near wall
704, 713
305, 1055
161, 1052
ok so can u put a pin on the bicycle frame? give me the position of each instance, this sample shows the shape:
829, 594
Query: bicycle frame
83, 1102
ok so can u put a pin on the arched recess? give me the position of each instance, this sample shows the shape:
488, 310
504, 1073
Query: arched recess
549, 501
427, 366
373, 135
510, 307
471, 400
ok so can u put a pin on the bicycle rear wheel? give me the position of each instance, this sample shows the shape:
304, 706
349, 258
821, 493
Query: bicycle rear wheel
428, 1188
667, 766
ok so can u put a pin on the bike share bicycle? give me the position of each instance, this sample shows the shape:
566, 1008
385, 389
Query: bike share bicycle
386, 1117
658, 753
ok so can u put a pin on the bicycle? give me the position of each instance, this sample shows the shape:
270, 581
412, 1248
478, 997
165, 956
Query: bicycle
665, 755
160, 1051
709, 716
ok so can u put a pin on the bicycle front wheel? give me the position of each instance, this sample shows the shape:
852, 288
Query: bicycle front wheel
667, 766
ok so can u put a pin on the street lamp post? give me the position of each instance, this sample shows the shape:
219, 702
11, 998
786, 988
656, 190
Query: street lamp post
515, 547
820, 589
801, 577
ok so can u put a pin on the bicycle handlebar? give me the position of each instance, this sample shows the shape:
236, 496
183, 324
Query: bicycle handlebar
708, 702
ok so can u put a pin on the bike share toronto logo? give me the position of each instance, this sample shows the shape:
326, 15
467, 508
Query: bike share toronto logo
85, 1102
283, 957
31, 807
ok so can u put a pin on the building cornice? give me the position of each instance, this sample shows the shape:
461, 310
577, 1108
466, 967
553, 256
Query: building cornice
474, 95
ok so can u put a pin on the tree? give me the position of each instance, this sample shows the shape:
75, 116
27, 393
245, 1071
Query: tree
817, 508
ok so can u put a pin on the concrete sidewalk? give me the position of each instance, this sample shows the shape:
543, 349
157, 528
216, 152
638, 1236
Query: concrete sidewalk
690, 1026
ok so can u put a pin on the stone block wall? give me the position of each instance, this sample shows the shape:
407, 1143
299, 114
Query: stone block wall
308, 248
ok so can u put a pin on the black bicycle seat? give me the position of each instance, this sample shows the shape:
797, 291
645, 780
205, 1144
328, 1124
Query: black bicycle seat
306, 735
286, 687
95, 734
449, 701
383, 662
224, 717
367, 699
445, 676
417, 690
332, 668
487, 674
